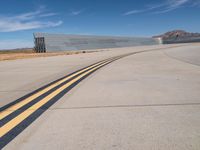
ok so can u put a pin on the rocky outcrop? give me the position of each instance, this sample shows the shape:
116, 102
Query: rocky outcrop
179, 36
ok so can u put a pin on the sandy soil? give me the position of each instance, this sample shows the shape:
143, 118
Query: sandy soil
24, 55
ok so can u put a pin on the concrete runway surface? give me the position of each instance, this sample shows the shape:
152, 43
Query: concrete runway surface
147, 100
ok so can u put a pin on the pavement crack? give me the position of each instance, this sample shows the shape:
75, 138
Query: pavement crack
127, 106
179, 59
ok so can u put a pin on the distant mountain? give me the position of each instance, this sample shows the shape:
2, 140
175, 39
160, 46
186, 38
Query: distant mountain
179, 36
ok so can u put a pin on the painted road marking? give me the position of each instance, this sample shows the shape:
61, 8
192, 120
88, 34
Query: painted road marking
11, 124
11, 109
48, 96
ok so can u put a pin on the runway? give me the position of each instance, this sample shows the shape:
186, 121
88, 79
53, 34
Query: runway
143, 97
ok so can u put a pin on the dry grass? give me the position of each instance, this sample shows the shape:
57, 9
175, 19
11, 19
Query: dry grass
23, 54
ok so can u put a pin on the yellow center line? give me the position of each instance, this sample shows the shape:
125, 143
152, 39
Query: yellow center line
11, 109
18, 119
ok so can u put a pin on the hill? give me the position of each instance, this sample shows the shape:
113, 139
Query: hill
179, 36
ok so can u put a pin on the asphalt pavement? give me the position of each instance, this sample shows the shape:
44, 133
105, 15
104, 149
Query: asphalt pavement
146, 100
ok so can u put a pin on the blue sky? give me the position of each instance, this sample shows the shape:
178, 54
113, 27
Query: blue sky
20, 18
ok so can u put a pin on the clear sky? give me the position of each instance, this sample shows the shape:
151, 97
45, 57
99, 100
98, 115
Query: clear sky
20, 18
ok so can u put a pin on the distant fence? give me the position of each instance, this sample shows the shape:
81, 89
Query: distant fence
60, 42
181, 40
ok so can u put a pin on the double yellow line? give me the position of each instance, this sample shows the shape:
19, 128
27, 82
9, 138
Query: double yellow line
73, 78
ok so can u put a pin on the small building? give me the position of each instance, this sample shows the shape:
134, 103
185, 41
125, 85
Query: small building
45, 42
